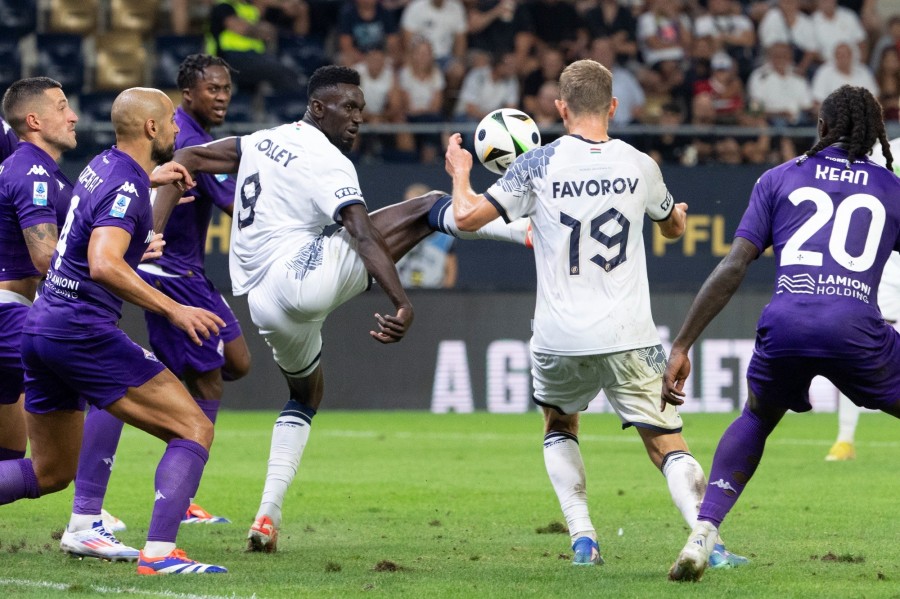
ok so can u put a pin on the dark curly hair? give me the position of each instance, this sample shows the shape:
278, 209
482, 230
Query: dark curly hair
329, 76
190, 71
853, 117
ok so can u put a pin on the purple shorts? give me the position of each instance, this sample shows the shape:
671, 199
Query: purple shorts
172, 345
871, 382
63, 374
12, 318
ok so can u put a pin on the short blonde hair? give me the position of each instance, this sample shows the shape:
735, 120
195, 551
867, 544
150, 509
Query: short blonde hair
586, 87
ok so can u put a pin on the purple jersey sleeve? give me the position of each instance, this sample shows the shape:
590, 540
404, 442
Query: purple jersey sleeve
8, 140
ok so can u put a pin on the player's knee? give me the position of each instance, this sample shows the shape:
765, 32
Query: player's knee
57, 478
200, 430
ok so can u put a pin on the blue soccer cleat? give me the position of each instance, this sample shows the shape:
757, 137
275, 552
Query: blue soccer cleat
175, 563
722, 558
587, 552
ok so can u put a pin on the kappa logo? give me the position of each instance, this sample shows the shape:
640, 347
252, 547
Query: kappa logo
159, 495
37, 169
128, 187
110, 462
343, 192
120, 206
724, 485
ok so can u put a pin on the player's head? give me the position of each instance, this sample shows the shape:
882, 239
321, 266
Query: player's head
335, 104
852, 116
145, 115
205, 84
585, 89
37, 110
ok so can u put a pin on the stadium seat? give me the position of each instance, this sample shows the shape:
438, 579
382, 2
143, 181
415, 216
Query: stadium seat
17, 18
131, 15
241, 109
303, 55
281, 109
95, 109
120, 61
73, 16
59, 56
170, 51
10, 61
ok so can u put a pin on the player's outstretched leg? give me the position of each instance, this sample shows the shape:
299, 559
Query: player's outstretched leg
441, 218
848, 417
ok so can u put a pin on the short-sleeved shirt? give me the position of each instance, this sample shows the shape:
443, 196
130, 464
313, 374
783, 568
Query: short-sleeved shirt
833, 229
438, 24
291, 184
33, 191
112, 191
8, 140
186, 230
587, 202
366, 34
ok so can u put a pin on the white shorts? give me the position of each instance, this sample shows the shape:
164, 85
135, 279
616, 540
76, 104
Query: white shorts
290, 303
632, 381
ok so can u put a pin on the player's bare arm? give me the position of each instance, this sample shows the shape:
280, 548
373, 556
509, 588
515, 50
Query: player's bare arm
106, 252
471, 210
375, 255
41, 241
715, 294
673, 226
172, 173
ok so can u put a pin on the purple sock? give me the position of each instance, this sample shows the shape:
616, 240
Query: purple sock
210, 407
17, 481
737, 456
10, 454
177, 478
98, 452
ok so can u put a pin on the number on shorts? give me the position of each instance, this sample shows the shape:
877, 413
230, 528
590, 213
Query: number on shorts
619, 238
250, 190
64, 234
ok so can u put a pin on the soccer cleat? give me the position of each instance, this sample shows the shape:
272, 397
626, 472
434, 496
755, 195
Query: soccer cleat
96, 542
197, 515
722, 558
694, 557
175, 563
112, 523
587, 552
841, 451
263, 536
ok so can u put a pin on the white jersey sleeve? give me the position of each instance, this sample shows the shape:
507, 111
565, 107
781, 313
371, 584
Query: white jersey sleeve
659, 200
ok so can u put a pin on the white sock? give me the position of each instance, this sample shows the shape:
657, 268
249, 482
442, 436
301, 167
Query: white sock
158, 548
289, 437
497, 229
562, 458
848, 417
82, 521
687, 484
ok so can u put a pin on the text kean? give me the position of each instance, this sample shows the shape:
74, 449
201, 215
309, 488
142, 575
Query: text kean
830, 173
593, 187
275, 152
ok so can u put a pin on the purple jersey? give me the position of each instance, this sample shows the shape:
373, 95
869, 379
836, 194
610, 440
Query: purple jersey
186, 230
8, 140
33, 191
112, 191
832, 229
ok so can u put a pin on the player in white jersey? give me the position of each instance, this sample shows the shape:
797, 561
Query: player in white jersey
292, 182
586, 195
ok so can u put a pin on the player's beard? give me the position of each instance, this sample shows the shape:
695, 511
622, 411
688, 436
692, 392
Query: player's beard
161, 154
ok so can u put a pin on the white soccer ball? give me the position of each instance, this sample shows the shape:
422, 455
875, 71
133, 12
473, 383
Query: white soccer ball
503, 135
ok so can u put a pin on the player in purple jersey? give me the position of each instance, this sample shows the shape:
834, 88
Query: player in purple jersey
74, 352
205, 82
34, 198
832, 218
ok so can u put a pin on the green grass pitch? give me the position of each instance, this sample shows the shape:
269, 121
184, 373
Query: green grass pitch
397, 504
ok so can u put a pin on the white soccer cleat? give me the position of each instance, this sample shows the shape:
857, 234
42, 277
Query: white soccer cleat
97, 542
694, 557
112, 523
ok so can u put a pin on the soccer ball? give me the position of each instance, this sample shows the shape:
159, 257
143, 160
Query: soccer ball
503, 135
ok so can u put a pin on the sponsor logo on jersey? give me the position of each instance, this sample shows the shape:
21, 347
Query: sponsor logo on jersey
128, 187
37, 169
39, 195
666, 202
344, 192
221, 178
120, 206
594, 187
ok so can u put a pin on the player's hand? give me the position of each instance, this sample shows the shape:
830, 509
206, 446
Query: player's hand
393, 328
155, 248
172, 173
457, 159
677, 370
198, 323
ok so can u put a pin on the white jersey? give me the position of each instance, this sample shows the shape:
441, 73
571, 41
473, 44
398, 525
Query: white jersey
292, 183
587, 202
889, 289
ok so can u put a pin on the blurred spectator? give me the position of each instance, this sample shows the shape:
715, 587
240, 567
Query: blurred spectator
730, 31
238, 34
552, 64
609, 19
558, 25
670, 147
545, 113
488, 88
891, 38
888, 79
431, 264
723, 90
835, 25
664, 32
502, 26
363, 25
625, 86
843, 69
290, 17
421, 86
443, 24
383, 105
663, 84
786, 24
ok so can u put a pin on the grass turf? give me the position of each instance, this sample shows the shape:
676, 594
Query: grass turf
396, 504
